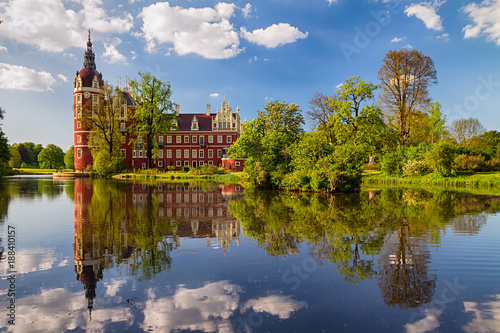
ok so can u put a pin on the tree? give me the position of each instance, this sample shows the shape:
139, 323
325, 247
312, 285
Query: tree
437, 121
15, 160
69, 158
463, 130
105, 135
4, 153
319, 112
154, 112
405, 76
51, 157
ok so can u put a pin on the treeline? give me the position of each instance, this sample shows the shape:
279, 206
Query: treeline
31, 155
393, 126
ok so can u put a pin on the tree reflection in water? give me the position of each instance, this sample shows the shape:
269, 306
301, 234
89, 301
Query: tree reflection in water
395, 225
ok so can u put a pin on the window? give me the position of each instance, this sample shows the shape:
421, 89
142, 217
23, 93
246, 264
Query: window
169, 154
96, 99
169, 139
122, 139
160, 154
79, 98
210, 153
210, 139
144, 165
79, 138
219, 153
140, 153
186, 139
202, 140
210, 162
201, 153
134, 154
178, 153
95, 84
79, 153
123, 152
79, 124
201, 163
160, 164
195, 139
194, 153
160, 139
220, 125
237, 163
178, 139
186, 163
122, 126
178, 163
229, 139
186, 153
219, 139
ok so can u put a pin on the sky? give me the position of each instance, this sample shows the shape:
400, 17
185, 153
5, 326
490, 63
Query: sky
248, 52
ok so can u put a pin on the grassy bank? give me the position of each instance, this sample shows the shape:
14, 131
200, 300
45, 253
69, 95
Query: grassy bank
231, 178
34, 171
476, 179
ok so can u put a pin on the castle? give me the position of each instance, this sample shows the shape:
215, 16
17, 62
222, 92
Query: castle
202, 138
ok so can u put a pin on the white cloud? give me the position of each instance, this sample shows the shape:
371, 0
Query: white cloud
62, 77
214, 95
13, 77
247, 10
203, 31
273, 36
486, 20
445, 36
281, 306
112, 55
427, 13
49, 26
397, 39
330, 2
3, 49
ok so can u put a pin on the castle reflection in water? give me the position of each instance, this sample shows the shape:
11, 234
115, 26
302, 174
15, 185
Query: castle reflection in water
121, 226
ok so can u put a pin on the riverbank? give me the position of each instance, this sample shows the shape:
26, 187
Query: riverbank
467, 179
228, 178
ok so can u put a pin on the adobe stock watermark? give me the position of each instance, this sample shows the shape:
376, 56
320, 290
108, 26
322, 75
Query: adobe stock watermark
11, 274
298, 273
364, 35
486, 87
434, 309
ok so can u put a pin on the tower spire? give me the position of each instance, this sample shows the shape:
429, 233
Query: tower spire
89, 57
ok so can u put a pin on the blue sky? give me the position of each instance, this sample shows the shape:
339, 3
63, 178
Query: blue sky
251, 52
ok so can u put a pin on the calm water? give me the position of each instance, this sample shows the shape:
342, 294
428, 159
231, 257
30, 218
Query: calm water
103, 256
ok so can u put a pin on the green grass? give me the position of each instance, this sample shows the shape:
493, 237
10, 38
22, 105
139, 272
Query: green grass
35, 171
472, 179
234, 177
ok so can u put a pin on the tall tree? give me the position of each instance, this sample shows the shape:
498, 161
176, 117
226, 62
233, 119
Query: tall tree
105, 135
51, 157
463, 130
405, 76
319, 112
69, 158
154, 112
4, 153
437, 121
15, 160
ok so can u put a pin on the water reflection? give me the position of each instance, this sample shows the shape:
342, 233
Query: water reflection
137, 226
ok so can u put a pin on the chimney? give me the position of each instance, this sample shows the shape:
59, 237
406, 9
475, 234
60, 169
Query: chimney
208, 109
177, 107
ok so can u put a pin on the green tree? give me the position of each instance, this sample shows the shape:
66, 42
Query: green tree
69, 158
51, 157
265, 142
405, 76
105, 136
4, 153
437, 121
154, 112
15, 160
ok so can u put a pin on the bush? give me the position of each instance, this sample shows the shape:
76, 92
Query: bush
494, 164
392, 162
443, 159
416, 168
471, 163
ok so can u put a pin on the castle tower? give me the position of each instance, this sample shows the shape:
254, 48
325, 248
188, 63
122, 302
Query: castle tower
87, 92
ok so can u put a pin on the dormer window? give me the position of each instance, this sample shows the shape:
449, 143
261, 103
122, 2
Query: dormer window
194, 124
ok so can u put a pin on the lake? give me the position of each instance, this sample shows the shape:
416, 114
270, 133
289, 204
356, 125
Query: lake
114, 256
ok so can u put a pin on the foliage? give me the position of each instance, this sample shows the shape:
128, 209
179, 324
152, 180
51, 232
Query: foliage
437, 121
15, 160
392, 162
4, 153
69, 158
443, 159
416, 168
405, 76
154, 112
51, 157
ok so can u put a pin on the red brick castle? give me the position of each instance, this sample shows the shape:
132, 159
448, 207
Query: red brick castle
202, 138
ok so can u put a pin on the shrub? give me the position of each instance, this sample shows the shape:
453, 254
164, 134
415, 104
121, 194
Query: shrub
494, 164
443, 159
416, 168
392, 162
471, 163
